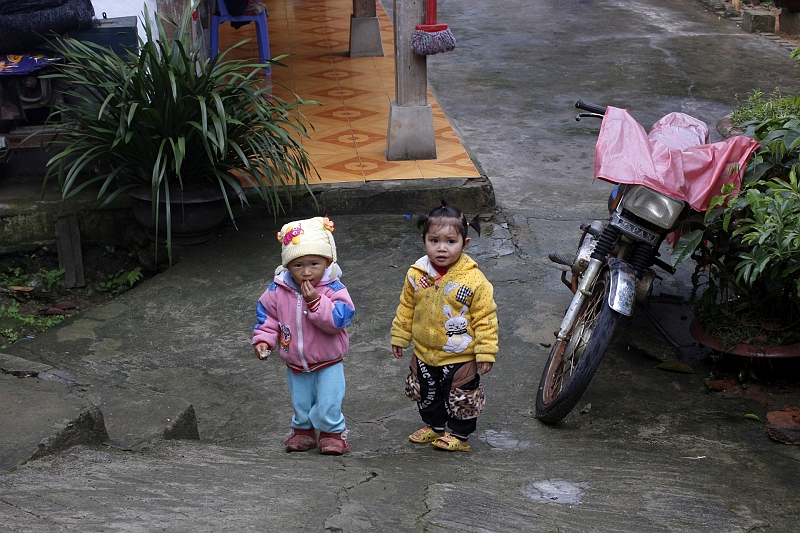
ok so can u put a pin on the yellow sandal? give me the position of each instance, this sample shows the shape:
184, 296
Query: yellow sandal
451, 444
425, 435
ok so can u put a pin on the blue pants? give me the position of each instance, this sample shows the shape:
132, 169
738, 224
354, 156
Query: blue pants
317, 398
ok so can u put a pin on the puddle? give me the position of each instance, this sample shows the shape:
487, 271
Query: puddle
554, 491
503, 440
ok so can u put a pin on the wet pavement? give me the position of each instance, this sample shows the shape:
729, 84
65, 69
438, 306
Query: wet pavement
646, 449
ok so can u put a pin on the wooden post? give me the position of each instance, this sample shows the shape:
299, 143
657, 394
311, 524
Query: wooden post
411, 80
364, 8
410, 135
70, 256
365, 31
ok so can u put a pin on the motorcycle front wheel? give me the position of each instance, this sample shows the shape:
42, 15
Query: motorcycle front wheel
573, 361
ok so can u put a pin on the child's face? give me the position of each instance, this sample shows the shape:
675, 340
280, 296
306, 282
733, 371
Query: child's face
308, 268
444, 244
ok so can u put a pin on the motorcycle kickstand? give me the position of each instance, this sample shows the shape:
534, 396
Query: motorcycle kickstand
648, 313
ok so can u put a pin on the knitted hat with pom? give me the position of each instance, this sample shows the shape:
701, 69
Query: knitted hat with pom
313, 236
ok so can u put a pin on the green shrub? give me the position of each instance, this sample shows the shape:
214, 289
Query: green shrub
772, 231
14, 277
120, 281
51, 279
746, 283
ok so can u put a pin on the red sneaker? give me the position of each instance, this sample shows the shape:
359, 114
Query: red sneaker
301, 440
332, 443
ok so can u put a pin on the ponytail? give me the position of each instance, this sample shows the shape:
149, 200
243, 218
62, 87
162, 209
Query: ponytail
475, 224
448, 215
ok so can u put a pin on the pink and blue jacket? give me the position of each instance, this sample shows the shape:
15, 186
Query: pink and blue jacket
305, 340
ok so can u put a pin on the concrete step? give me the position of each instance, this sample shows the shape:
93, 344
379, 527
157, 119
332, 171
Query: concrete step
28, 214
45, 411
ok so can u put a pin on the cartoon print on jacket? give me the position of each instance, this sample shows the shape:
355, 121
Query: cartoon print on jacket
457, 337
286, 337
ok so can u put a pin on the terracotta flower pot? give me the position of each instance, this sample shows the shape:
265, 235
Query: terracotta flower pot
748, 350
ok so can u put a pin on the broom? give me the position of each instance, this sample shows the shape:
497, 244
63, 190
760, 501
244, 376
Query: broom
432, 38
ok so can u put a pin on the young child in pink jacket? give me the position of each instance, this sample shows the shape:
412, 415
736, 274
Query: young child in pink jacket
303, 315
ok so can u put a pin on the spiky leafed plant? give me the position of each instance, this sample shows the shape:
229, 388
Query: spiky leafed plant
166, 120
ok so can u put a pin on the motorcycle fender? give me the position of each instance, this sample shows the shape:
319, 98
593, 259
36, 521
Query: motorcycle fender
622, 288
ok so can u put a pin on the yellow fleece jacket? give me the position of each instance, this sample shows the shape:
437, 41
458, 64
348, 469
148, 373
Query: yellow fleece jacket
452, 322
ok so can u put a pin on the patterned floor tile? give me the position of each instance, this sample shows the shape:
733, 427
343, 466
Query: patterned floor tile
348, 141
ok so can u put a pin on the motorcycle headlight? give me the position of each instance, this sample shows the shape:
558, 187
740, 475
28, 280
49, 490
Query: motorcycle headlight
653, 206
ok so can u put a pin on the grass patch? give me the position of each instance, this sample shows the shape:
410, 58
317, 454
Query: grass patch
759, 107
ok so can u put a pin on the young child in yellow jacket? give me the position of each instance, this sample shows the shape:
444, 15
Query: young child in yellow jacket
447, 310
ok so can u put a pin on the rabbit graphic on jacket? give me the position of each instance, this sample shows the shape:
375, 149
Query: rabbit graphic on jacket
456, 325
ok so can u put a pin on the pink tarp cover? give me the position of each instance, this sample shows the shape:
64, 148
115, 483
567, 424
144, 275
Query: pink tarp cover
674, 158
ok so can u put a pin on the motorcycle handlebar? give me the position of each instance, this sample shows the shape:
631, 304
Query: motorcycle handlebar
592, 108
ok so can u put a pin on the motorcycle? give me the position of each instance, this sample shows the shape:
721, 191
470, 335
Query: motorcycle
27, 93
661, 178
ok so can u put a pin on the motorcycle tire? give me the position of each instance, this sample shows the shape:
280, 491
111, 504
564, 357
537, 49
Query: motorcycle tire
573, 362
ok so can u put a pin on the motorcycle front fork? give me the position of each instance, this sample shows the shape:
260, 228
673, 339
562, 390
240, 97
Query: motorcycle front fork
570, 316
606, 243
585, 287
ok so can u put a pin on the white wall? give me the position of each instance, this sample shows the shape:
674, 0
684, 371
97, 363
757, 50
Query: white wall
124, 8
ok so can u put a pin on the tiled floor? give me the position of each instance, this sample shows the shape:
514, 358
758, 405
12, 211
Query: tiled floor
349, 136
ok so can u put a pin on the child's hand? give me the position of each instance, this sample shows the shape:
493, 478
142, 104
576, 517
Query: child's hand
483, 368
262, 350
397, 352
308, 291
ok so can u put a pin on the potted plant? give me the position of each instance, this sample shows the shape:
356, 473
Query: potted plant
746, 282
163, 124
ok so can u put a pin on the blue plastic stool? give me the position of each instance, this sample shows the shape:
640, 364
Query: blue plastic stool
223, 17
